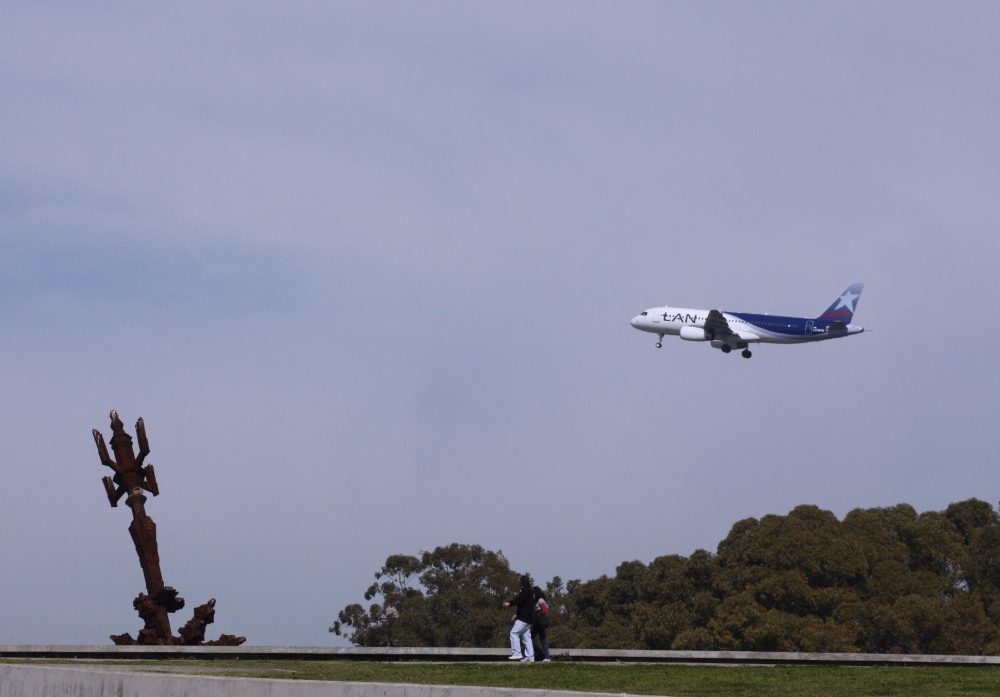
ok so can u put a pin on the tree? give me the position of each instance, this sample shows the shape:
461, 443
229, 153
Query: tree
449, 597
881, 580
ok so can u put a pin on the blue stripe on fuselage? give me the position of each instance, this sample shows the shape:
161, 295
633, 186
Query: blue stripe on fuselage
788, 326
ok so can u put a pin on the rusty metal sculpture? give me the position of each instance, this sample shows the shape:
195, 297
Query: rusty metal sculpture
154, 606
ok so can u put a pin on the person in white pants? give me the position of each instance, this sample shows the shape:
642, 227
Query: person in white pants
521, 631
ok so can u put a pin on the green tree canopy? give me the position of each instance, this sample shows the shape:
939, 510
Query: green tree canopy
881, 580
886, 580
449, 597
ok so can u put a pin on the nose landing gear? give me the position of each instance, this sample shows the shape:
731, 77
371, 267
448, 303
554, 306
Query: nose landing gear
659, 341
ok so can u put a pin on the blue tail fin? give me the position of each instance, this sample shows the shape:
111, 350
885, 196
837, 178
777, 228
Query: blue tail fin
842, 309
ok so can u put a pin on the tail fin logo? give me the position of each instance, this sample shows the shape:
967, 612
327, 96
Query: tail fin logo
843, 308
847, 300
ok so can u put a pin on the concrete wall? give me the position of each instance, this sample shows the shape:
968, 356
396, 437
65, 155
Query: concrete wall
42, 681
468, 654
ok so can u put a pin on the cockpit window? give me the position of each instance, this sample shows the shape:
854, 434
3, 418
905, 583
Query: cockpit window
643, 314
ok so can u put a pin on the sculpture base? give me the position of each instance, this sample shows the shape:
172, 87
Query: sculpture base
191, 634
224, 640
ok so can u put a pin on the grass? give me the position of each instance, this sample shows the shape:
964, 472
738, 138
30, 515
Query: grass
644, 679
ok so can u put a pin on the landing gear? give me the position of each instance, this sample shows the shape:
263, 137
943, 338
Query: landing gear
746, 353
659, 342
726, 348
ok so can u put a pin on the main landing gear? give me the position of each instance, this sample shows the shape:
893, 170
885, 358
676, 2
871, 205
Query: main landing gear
726, 348
659, 342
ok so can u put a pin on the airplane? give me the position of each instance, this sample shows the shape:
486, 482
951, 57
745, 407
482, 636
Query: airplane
729, 330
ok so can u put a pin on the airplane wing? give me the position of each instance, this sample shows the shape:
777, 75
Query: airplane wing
717, 325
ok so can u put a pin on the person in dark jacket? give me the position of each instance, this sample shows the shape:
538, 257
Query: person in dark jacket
521, 631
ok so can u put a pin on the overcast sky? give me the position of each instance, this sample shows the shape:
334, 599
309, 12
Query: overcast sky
367, 272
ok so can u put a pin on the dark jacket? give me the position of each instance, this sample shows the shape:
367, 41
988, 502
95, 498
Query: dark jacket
525, 604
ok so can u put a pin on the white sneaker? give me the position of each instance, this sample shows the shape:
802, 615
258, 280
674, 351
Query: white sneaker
527, 660
546, 660
514, 658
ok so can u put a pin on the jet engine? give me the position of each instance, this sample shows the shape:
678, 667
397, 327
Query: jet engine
693, 334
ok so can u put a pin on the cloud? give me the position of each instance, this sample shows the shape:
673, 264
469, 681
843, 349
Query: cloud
64, 248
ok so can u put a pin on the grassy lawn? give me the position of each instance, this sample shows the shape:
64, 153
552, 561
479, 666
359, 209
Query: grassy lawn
678, 681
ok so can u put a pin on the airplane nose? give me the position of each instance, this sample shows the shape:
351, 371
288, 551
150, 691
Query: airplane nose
635, 321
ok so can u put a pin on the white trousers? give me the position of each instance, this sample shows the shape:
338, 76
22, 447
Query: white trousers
521, 632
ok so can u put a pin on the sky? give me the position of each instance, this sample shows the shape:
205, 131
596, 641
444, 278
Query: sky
366, 270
